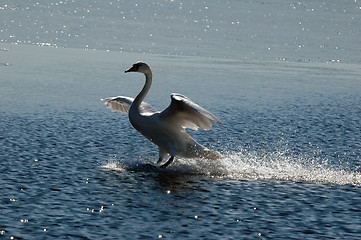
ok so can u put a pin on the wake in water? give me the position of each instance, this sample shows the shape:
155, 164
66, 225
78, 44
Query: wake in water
249, 166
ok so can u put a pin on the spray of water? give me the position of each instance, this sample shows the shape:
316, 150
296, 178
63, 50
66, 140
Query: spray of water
245, 165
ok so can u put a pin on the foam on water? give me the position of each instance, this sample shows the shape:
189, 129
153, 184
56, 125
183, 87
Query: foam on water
245, 165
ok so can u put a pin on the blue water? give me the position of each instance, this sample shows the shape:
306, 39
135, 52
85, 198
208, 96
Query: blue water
290, 132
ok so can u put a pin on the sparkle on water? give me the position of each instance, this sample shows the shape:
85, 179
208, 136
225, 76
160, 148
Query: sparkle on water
283, 76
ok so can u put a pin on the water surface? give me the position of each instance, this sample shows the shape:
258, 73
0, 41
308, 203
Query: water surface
289, 102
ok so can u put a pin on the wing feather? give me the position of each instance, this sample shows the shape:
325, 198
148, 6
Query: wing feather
122, 104
186, 113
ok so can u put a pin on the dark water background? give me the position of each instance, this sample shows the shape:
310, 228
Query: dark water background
72, 169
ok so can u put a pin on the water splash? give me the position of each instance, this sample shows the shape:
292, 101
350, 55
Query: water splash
285, 167
245, 165
114, 165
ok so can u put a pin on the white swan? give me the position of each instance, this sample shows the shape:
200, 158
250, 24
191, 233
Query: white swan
166, 129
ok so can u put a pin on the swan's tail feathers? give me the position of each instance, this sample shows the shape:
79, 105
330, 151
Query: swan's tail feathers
210, 154
200, 151
196, 150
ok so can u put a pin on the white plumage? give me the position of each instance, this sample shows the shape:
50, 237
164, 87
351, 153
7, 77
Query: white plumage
166, 129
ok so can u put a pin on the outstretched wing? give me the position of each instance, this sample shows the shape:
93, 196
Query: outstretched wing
122, 104
184, 112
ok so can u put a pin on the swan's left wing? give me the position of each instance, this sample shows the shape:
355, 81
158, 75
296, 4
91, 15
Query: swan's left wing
186, 113
122, 104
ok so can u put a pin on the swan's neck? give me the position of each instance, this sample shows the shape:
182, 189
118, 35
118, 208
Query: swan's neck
140, 97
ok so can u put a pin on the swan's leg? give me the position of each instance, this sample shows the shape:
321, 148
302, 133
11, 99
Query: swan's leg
170, 160
162, 154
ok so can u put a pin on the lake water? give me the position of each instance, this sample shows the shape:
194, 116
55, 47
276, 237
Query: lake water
284, 77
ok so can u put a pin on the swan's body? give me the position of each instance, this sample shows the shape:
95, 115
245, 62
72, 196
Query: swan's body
166, 129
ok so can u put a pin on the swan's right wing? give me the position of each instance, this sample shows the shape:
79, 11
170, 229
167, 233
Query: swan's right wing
122, 104
184, 112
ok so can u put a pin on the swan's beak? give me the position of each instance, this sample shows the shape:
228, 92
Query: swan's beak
134, 68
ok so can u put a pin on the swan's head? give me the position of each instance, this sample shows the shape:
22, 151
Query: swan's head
139, 67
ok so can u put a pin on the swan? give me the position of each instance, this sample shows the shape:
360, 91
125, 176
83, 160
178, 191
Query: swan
166, 129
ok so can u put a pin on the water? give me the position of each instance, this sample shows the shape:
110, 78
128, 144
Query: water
72, 169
